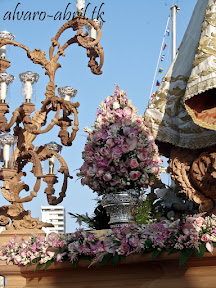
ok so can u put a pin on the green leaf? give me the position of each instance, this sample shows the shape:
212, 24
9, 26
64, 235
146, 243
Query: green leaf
39, 265
184, 255
35, 260
75, 263
202, 249
173, 251
105, 260
156, 254
115, 259
48, 263
86, 257
122, 257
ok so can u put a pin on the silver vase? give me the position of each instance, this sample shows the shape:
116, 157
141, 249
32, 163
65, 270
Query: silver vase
120, 207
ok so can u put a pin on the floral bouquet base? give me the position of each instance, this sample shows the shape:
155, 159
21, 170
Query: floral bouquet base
120, 207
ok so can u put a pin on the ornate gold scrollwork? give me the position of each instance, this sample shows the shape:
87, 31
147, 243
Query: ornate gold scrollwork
25, 151
195, 172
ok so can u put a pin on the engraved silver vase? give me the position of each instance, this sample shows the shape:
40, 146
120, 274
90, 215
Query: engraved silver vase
121, 207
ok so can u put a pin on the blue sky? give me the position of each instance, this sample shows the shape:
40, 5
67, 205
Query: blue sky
132, 36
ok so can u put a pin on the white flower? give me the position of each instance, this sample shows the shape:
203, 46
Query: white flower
116, 105
103, 106
86, 129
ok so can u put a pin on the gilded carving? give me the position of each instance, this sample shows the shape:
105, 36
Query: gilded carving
195, 172
25, 151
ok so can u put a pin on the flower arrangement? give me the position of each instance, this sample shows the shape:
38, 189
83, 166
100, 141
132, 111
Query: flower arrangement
120, 153
189, 234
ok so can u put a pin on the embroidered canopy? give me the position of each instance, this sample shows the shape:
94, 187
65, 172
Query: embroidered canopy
183, 110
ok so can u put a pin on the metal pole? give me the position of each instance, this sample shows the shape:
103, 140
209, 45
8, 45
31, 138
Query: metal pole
173, 35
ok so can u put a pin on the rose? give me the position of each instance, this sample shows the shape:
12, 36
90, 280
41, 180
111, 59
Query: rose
199, 221
107, 176
133, 163
117, 152
128, 112
126, 130
132, 143
99, 172
97, 136
134, 175
205, 238
142, 156
110, 142
125, 148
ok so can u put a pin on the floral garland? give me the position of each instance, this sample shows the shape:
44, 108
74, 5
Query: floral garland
120, 153
189, 234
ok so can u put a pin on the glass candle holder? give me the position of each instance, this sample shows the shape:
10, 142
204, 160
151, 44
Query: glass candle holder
51, 166
5, 80
6, 35
7, 143
28, 80
90, 28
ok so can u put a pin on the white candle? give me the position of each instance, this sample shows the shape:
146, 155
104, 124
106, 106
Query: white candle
6, 155
67, 98
51, 164
80, 6
28, 91
93, 33
3, 91
3, 52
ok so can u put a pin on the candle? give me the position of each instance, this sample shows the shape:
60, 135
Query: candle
80, 6
28, 91
51, 164
67, 97
93, 33
3, 92
3, 52
6, 155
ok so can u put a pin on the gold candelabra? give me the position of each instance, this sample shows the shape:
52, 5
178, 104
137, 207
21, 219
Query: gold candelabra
22, 141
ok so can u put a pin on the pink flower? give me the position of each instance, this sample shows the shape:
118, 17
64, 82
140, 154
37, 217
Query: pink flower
205, 238
134, 175
125, 148
97, 136
98, 157
117, 152
134, 242
210, 247
107, 176
188, 226
128, 112
115, 182
126, 130
34, 247
142, 156
133, 163
110, 142
132, 143
199, 221
99, 172
59, 256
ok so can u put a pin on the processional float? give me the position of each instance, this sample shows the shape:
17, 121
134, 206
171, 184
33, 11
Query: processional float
182, 114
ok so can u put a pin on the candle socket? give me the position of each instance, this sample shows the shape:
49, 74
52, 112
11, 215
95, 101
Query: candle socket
7, 174
2, 101
6, 164
51, 170
28, 100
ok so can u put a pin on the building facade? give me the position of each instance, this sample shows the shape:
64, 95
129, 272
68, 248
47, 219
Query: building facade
55, 216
